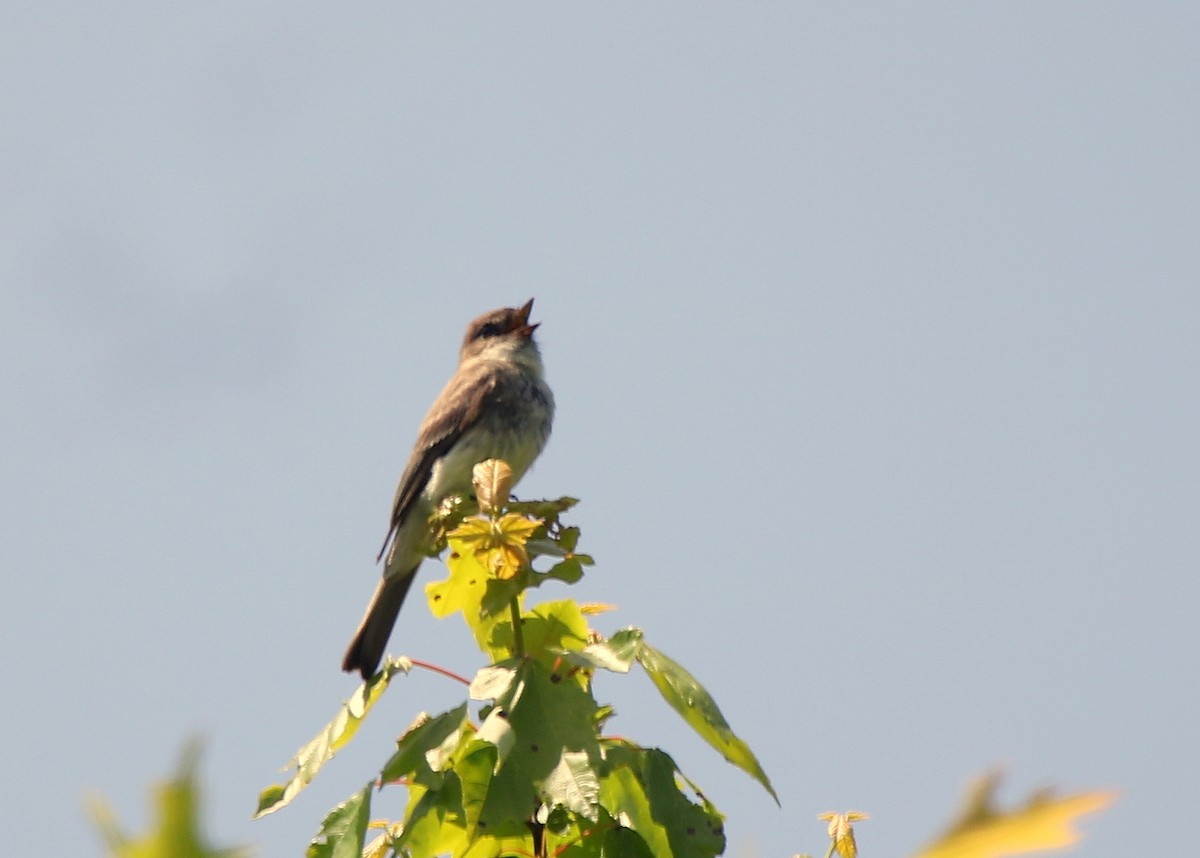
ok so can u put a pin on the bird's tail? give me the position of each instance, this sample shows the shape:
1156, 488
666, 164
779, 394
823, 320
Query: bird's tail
366, 648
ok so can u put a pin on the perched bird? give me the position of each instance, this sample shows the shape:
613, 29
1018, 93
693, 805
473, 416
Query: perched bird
496, 406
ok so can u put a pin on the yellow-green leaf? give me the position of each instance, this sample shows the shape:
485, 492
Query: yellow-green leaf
690, 699
309, 759
498, 546
343, 832
1045, 822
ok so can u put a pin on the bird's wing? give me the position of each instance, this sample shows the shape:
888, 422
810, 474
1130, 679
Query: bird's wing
443, 427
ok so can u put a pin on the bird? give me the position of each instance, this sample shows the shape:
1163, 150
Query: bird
497, 405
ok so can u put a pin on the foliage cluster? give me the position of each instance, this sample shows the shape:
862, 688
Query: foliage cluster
523, 766
531, 771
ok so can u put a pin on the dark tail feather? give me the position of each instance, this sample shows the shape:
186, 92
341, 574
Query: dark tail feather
366, 649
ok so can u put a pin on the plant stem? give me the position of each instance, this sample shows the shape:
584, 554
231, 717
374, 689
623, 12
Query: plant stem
518, 638
443, 671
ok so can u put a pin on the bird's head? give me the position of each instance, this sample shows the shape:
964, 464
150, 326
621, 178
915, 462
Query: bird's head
504, 330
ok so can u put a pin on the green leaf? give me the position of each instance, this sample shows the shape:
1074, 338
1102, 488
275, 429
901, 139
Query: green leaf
434, 823
560, 544
499, 593
573, 784
627, 643
337, 733
344, 829
554, 752
640, 787
472, 590
575, 837
616, 654
553, 627
411, 758
476, 770
689, 698
621, 843
547, 510
569, 570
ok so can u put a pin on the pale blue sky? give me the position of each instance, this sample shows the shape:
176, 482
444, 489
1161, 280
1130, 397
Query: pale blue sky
873, 332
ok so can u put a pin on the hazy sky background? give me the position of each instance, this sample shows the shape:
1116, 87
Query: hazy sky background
873, 331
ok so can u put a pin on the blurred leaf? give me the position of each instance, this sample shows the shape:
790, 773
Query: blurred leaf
689, 699
596, 608
343, 832
309, 759
176, 832
983, 831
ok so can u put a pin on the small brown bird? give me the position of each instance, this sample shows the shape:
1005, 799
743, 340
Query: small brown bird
496, 406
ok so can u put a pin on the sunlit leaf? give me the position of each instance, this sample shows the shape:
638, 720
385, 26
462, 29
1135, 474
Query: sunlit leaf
343, 832
617, 654
689, 698
639, 788
435, 823
488, 569
462, 591
841, 831
412, 749
499, 545
493, 682
476, 770
493, 481
554, 626
309, 759
555, 749
381, 846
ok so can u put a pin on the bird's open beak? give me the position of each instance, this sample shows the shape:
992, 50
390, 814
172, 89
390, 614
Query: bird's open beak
521, 321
